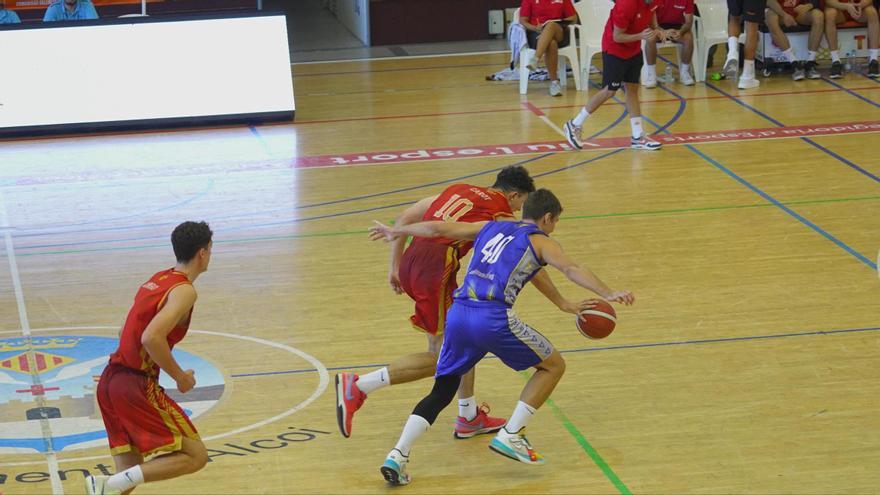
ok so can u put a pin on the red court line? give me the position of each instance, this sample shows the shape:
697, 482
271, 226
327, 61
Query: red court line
460, 66
660, 100
532, 108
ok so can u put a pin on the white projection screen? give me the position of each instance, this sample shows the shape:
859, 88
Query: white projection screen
145, 72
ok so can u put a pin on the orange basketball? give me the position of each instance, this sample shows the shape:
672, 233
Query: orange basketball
598, 322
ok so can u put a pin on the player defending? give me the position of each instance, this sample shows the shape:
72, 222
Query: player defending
140, 419
506, 256
426, 272
753, 13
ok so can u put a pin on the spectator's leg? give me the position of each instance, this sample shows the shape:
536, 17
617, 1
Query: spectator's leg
547, 35
751, 40
553, 59
816, 20
687, 47
831, 19
774, 25
870, 12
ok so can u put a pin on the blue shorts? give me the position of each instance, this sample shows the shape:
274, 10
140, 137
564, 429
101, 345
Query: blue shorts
475, 328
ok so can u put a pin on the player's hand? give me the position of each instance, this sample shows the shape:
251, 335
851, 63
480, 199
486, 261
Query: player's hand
394, 281
673, 34
383, 232
187, 381
788, 20
623, 297
648, 34
576, 307
854, 10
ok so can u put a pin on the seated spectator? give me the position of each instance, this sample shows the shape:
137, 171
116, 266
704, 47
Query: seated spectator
70, 10
789, 14
840, 11
678, 17
7, 16
545, 22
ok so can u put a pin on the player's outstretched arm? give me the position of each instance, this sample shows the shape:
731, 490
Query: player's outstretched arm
452, 230
551, 252
155, 337
545, 285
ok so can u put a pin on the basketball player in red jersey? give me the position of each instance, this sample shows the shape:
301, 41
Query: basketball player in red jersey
426, 272
140, 419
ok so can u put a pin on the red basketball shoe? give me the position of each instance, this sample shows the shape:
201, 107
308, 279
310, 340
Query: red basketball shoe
349, 399
482, 423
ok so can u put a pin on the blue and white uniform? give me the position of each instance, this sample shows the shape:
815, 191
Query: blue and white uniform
481, 319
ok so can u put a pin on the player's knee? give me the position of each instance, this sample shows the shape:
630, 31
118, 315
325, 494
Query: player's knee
554, 364
197, 457
831, 17
817, 15
871, 13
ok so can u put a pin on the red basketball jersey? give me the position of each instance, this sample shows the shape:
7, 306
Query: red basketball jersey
147, 302
465, 203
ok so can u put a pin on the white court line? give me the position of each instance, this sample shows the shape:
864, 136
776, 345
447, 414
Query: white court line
46, 429
561, 132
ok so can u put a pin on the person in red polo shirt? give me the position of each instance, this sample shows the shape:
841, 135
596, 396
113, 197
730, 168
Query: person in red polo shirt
630, 22
545, 22
841, 11
791, 13
677, 15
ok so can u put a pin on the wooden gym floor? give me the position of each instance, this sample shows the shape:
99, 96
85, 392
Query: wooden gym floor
748, 364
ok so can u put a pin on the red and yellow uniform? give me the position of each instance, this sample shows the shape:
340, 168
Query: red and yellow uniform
429, 265
137, 413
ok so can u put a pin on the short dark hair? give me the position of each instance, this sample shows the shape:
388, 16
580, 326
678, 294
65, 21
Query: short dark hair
540, 203
188, 238
514, 178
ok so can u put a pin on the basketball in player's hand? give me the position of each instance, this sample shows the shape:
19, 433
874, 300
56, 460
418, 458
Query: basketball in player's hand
598, 322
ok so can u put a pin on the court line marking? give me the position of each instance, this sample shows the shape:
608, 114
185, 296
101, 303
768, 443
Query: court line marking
541, 115
368, 59
45, 428
272, 238
843, 88
766, 196
323, 382
719, 340
780, 124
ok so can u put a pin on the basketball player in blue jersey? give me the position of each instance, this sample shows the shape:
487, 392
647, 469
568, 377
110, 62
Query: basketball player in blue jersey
507, 255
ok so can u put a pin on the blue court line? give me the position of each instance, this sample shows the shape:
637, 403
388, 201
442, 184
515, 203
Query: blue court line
720, 340
863, 98
774, 201
263, 142
807, 140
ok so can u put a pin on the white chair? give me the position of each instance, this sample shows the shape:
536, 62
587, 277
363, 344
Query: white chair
593, 15
711, 29
667, 44
569, 52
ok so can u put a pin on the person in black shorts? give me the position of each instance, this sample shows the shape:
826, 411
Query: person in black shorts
752, 12
546, 24
630, 22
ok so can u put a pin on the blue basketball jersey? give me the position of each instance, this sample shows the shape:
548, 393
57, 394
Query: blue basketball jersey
502, 263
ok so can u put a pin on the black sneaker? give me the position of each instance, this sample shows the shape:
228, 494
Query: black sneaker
798, 74
873, 69
836, 70
812, 72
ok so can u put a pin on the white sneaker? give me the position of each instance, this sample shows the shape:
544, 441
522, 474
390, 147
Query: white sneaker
555, 88
644, 143
573, 135
97, 485
516, 446
731, 68
594, 69
394, 468
650, 79
686, 78
748, 83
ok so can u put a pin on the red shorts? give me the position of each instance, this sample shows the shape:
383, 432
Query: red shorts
427, 274
138, 415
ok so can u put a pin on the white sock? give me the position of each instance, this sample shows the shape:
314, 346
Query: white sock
872, 53
412, 430
685, 68
373, 380
789, 55
651, 69
467, 408
749, 69
835, 56
581, 117
733, 48
812, 56
126, 480
636, 124
520, 417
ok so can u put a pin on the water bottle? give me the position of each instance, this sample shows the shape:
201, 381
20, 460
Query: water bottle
667, 74
849, 64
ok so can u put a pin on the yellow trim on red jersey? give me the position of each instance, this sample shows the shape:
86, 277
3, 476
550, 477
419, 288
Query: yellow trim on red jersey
121, 449
165, 295
449, 270
177, 443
